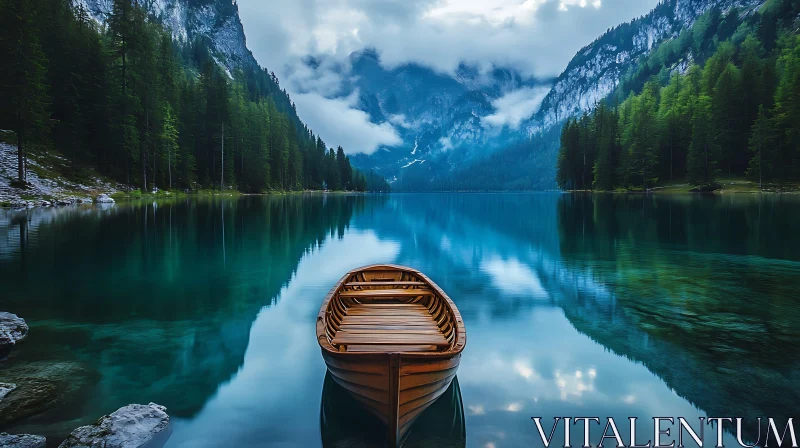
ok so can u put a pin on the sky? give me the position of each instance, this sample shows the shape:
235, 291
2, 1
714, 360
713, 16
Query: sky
536, 37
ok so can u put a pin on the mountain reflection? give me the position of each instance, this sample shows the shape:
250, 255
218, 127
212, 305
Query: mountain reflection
157, 299
607, 305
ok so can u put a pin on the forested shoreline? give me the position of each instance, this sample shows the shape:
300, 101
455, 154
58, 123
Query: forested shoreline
152, 112
734, 112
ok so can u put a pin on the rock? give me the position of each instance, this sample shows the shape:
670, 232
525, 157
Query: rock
12, 330
40, 385
105, 199
708, 188
21, 441
132, 426
5, 388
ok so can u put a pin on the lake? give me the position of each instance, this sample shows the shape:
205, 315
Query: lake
575, 305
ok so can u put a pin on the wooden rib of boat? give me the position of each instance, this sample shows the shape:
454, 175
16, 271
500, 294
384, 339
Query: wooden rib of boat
393, 339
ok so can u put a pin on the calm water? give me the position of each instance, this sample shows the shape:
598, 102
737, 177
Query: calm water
574, 305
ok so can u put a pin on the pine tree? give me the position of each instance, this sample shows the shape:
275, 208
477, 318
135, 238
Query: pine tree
760, 140
169, 141
700, 160
642, 135
727, 115
23, 76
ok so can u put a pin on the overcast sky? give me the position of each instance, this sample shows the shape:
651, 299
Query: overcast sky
536, 37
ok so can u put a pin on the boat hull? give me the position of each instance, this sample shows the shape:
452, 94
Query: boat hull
345, 422
420, 383
393, 339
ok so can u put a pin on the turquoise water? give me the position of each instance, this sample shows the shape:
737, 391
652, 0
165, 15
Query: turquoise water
594, 305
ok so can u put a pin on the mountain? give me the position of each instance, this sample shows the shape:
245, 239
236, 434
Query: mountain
438, 116
674, 35
597, 69
526, 158
213, 21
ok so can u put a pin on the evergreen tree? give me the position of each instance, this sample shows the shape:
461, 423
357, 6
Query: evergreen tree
23, 77
760, 140
700, 160
169, 142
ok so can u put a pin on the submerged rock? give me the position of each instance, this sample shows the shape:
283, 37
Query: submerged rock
39, 386
132, 426
21, 441
12, 330
5, 388
105, 199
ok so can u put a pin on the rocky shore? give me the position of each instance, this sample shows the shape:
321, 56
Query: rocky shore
52, 181
28, 388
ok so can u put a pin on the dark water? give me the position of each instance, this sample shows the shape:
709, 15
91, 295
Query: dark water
574, 305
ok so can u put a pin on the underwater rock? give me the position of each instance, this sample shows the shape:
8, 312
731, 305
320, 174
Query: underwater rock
39, 386
132, 426
5, 388
12, 330
21, 441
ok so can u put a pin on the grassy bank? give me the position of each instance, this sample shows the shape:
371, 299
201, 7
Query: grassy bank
730, 185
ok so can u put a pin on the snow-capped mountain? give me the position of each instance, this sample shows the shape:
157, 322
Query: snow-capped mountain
597, 69
215, 21
449, 112
439, 116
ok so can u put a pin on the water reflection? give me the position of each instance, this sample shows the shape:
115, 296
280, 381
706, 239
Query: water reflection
344, 422
575, 305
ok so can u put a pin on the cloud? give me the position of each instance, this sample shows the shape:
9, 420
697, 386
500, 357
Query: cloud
513, 107
535, 37
339, 123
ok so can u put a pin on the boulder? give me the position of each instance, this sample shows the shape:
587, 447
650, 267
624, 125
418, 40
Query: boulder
40, 386
105, 199
21, 441
12, 330
5, 388
132, 426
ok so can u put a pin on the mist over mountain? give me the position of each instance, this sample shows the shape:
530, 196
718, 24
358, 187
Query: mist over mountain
423, 127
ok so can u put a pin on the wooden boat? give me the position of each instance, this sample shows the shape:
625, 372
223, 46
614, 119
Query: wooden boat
344, 422
393, 339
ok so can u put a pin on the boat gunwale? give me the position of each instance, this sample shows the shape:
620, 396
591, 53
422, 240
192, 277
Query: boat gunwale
460, 337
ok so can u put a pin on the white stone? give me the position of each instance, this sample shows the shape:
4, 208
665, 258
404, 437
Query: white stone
21, 441
132, 426
12, 330
105, 199
5, 388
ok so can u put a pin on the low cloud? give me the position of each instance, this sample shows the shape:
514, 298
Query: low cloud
339, 123
535, 37
513, 107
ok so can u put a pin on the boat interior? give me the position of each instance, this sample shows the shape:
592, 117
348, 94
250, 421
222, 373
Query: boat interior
389, 311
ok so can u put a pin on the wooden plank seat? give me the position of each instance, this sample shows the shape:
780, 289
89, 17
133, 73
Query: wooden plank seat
406, 325
392, 283
385, 293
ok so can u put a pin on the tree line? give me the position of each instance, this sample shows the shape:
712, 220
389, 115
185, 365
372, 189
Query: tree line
737, 114
153, 112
